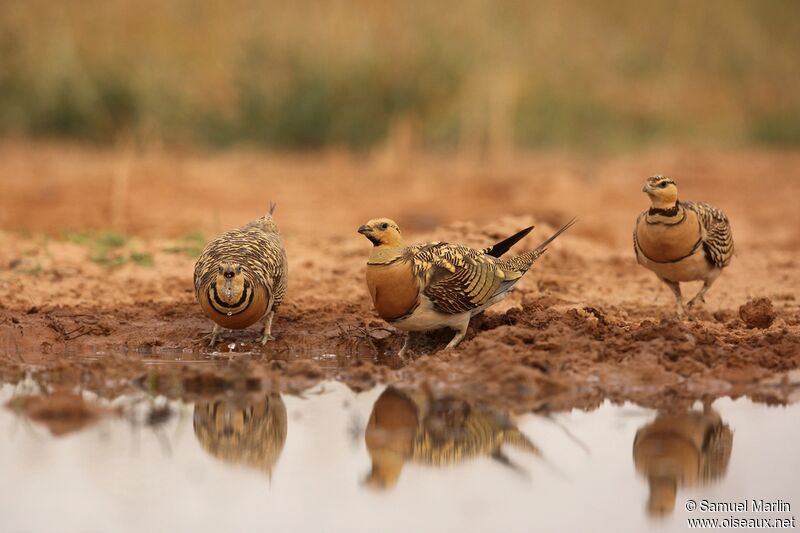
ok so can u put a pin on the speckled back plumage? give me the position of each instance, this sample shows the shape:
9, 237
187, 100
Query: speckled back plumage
252, 434
458, 279
717, 452
718, 239
258, 248
481, 433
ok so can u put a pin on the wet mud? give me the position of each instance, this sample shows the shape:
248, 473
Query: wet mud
587, 323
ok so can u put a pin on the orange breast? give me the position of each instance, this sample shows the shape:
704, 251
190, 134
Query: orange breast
661, 242
393, 288
248, 317
393, 423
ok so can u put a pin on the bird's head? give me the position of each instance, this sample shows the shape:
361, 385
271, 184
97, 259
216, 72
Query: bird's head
231, 282
662, 191
389, 437
382, 232
663, 490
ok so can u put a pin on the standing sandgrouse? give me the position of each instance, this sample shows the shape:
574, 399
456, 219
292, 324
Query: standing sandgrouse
436, 285
681, 241
241, 276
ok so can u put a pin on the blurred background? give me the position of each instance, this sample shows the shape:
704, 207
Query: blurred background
468, 75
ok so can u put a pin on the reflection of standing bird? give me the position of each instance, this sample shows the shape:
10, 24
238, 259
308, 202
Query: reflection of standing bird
681, 241
689, 449
437, 285
241, 276
250, 434
410, 426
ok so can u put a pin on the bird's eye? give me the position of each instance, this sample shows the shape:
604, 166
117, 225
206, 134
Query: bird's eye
663, 185
384, 226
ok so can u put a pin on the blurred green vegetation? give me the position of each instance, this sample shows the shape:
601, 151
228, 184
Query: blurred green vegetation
109, 249
471, 74
190, 244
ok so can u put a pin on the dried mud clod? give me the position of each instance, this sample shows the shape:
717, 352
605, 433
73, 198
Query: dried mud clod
62, 412
757, 313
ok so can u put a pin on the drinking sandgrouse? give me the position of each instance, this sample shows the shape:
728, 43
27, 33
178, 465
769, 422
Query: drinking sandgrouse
241, 276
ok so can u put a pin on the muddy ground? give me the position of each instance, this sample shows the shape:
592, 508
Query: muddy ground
82, 306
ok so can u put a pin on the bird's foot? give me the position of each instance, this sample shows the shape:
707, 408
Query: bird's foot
265, 338
695, 301
213, 336
453, 343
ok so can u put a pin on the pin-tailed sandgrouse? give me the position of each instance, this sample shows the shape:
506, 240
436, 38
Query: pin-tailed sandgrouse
436, 285
681, 241
241, 276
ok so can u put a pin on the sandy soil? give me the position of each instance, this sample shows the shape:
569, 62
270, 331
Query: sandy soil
585, 324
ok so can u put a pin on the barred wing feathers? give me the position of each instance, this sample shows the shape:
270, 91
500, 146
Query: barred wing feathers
717, 235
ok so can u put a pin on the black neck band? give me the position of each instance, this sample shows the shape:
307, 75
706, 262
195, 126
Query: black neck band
669, 212
222, 304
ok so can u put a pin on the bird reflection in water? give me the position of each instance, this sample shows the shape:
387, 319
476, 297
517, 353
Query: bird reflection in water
411, 426
248, 431
688, 449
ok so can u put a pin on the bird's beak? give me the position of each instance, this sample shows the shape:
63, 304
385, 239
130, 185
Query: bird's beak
647, 188
364, 229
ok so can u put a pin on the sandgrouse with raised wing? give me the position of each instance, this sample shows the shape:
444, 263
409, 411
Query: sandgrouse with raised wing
241, 277
681, 241
439, 285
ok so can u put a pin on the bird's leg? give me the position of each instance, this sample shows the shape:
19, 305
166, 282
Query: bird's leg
402, 353
267, 333
699, 297
676, 290
461, 330
214, 335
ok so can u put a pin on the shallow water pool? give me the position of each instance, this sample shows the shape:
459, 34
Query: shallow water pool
390, 459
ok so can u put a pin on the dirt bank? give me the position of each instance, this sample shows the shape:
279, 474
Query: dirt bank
87, 306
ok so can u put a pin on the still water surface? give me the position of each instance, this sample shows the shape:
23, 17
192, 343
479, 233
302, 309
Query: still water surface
391, 460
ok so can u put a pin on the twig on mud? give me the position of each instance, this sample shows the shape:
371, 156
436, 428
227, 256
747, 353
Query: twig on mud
363, 333
79, 331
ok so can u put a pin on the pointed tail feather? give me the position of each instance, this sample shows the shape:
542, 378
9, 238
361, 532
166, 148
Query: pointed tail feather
523, 262
542, 247
517, 439
505, 245
272, 207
